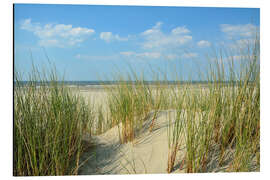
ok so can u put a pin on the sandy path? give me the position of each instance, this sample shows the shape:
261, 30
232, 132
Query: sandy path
148, 153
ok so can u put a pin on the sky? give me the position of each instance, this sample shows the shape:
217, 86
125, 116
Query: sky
88, 43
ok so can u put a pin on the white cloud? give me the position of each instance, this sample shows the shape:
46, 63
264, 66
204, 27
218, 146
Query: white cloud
246, 30
127, 53
155, 38
171, 56
203, 44
154, 30
189, 55
96, 57
151, 55
180, 30
147, 55
58, 35
109, 36
158, 55
106, 36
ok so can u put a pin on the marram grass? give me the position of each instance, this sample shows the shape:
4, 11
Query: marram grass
217, 124
48, 126
222, 123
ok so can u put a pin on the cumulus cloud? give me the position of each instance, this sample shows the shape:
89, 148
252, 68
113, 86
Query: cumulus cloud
154, 30
96, 57
180, 30
203, 44
126, 54
156, 39
189, 55
147, 55
59, 35
106, 36
158, 55
241, 30
109, 36
180, 56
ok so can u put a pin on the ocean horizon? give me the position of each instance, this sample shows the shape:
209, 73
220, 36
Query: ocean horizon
89, 83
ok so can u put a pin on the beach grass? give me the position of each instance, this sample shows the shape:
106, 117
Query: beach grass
48, 125
216, 123
224, 121
129, 104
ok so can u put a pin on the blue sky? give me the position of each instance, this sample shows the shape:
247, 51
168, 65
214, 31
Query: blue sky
87, 42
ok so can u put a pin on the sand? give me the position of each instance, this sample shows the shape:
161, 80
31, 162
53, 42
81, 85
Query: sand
148, 153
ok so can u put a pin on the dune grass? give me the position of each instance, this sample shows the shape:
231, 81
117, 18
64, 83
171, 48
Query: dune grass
224, 121
175, 129
216, 123
217, 120
130, 102
48, 126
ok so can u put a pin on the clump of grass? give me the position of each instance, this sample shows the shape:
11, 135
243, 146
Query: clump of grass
222, 120
126, 107
122, 111
175, 131
100, 121
48, 125
231, 120
130, 102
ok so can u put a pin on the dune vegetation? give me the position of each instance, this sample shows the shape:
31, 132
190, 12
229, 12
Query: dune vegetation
48, 126
219, 119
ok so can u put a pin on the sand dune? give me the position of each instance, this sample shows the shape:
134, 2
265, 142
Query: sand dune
148, 153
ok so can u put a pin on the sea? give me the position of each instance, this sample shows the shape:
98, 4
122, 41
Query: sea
91, 83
